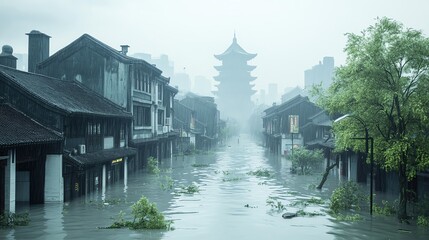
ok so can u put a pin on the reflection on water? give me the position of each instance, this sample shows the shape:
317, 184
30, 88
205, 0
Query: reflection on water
217, 212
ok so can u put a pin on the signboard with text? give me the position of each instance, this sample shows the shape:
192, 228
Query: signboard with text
293, 123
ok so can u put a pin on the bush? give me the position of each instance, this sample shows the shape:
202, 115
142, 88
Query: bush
14, 219
152, 165
386, 208
423, 211
146, 216
305, 161
347, 196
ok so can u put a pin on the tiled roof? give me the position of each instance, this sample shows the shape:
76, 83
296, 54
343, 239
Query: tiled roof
66, 96
86, 40
17, 129
101, 156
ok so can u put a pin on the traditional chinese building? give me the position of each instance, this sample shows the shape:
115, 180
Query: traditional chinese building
235, 83
131, 83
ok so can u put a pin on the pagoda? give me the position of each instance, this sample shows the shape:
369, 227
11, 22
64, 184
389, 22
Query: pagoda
234, 88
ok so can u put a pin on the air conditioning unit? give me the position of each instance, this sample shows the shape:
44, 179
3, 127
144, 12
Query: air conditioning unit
81, 149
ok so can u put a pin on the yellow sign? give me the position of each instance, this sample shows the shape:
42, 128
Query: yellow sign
117, 161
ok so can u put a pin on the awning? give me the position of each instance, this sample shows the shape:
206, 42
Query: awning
102, 156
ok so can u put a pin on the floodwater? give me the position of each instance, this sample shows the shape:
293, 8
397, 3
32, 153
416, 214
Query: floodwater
231, 204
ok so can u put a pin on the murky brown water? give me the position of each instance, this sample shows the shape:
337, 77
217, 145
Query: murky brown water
218, 211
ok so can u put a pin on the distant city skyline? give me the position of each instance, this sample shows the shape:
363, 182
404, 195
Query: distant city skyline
288, 36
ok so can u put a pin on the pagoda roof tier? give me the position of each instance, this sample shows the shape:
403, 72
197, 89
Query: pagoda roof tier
245, 67
234, 48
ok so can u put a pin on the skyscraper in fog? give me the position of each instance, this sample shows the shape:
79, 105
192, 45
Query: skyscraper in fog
272, 93
320, 74
234, 88
202, 86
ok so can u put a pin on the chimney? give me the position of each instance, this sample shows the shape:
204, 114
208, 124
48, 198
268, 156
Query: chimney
38, 49
124, 49
6, 57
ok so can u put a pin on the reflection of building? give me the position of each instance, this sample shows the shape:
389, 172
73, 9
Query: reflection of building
235, 89
320, 74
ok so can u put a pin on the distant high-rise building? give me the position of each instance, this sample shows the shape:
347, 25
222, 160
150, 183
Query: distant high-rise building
202, 86
272, 93
182, 81
234, 90
320, 74
163, 63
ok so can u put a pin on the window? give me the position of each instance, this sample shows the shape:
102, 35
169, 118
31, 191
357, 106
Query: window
160, 92
141, 116
94, 128
142, 82
122, 132
160, 117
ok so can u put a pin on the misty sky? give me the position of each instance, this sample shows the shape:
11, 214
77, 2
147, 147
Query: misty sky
288, 36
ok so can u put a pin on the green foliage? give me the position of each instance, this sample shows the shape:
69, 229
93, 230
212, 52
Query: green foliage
422, 209
190, 189
14, 219
261, 173
423, 221
302, 212
386, 208
166, 182
152, 165
384, 83
348, 217
307, 202
196, 165
275, 204
305, 161
146, 216
347, 196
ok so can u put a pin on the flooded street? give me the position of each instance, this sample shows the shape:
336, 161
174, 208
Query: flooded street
230, 204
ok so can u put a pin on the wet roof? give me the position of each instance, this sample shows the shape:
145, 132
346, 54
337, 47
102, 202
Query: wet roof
17, 129
66, 96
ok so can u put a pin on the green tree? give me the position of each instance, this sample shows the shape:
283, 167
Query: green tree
385, 83
304, 160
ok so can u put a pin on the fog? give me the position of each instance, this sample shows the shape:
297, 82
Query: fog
288, 36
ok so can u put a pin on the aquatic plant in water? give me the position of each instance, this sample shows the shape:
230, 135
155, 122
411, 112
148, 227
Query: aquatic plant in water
166, 182
146, 216
196, 165
152, 165
275, 204
348, 196
190, 189
261, 173
8, 219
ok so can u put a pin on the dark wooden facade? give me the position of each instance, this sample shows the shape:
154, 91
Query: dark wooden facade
199, 116
129, 82
89, 123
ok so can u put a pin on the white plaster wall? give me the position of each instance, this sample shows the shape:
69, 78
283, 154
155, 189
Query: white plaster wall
54, 184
